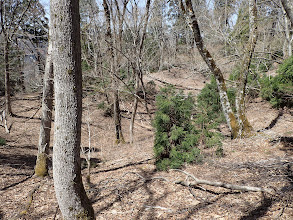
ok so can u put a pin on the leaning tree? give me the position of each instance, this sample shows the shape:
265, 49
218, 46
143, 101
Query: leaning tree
237, 121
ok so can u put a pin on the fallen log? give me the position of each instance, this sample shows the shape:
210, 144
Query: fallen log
197, 181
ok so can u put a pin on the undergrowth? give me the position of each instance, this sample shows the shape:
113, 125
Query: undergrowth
2, 141
181, 126
278, 90
176, 138
210, 115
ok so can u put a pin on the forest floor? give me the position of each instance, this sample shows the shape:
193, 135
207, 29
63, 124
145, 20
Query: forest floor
124, 182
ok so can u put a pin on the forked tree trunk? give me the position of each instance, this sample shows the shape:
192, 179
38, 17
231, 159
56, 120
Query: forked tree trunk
66, 53
41, 168
239, 125
205, 54
7, 78
245, 128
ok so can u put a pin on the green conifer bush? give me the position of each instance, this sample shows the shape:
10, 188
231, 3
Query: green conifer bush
176, 138
210, 115
278, 90
2, 141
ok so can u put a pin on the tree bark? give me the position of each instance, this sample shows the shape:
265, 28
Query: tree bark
72, 199
41, 168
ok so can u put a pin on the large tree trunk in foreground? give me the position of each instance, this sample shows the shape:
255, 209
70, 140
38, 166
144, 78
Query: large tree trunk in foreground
72, 199
205, 54
41, 168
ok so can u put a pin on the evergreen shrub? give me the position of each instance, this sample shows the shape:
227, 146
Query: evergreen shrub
209, 105
278, 90
2, 141
176, 138
210, 115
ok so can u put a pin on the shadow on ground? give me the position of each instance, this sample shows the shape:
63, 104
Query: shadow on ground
18, 161
287, 145
260, 210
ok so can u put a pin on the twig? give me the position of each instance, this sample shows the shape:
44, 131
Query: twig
158, 207
29, 203
56, 212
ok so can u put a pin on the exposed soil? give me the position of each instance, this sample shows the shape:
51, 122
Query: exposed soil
124, 182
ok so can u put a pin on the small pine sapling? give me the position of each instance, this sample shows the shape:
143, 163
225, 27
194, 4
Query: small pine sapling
176, 138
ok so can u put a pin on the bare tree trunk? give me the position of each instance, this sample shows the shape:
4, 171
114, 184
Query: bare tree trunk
138, 73
66, 54
289, 37
41, 168
135, 104
227, 110
245, 128
117, 118
7, 78
117, 115
288, 9
40, 63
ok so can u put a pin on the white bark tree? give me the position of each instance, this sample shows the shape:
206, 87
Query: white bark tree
41, 168
66, 55
288, 10
288, 27
238, 123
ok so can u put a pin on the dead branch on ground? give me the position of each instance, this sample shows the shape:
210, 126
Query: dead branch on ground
30, 197
197, 181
